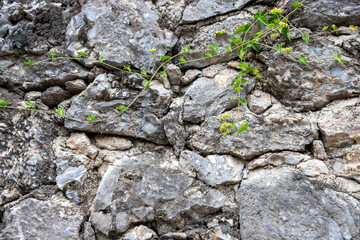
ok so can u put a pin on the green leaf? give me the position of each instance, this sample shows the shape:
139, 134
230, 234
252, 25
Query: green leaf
278, 48
82, 53
325, 28
121, 108
209, 54
30, 104
242, 64
302, 59
255, 47
233, 125
90, 117
146, 83
242, 73
186, 48
101, 59
235, 40
234, 86
286, 33
164, 73
242, 101
335, 28
164, 58
243, 80
243, 127
229, 48
241, 53
52, 54
144, 73
28, 62
271, 25
306, 37
214, 47
4, 102
182, 59
261, 17
243, 29
339, 59
296, 4
127, 68
60, 111
237, 80
238, 89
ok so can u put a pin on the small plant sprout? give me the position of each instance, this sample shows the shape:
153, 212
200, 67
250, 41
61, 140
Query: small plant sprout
122, 108
60, 111
220, 32
30, 104
101, 59
182, 59
144, 73
52, 54
146, 83
209, 54
353, 28
4, 102
28, 62
152, 50
127, 68
90, 117
80, 53
186, 48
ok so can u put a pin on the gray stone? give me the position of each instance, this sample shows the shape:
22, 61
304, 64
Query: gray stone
259, 101
171, 11
56, 218
112, 143
106, 188
53, 96
157, 185
272, 206
101, 222
313, 168
310, 87
122, 221
340, 124
131, 27
174, 74
89, 233
32, 96
328, 12
75, 86
202, 9
139, 233
275, 132
142, 121
278, 159
214, 170
190, 76
318, 150
174, 235
207, 97
72, 175
144, 214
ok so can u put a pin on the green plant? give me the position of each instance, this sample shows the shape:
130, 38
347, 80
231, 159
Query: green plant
271, 23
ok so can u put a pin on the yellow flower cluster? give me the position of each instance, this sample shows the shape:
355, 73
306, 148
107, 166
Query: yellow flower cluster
152, 50
276, 10
220, 32
282, 24
275, 35
225, 128
224, 117
287, 50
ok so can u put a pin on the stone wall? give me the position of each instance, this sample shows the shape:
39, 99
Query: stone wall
162, 169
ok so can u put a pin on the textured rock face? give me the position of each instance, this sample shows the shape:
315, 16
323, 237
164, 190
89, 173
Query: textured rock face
274, 132
283, 214
311, 87
131, 27
56, 218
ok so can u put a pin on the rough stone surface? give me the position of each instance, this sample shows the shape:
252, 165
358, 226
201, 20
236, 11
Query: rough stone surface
340, 124
81, 143
190, 76
101, 222
310, 87
53, 96
75, 86
207, 97
141, 233
71, 175
202, 9
112, 143
318, 150
275, 132
213, 170
269, 213
56, 218
131, 35
313, 168
259, 101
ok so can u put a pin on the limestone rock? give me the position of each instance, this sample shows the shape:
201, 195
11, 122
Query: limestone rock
73, 176
318, 150
313, 168
214, 170
190, 76
139, 233
278, 159
75, 86
259, 101
283, 214
112, 143
101, 222
202, 9
54, 96
310, 87
131, 27
56, 218
122, 221
81, 143
275, 132
340, 124
207, 97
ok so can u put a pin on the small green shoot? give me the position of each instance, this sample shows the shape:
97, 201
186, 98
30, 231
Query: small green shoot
339, 59
29, 103
90, 117
60, 111
122, 108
